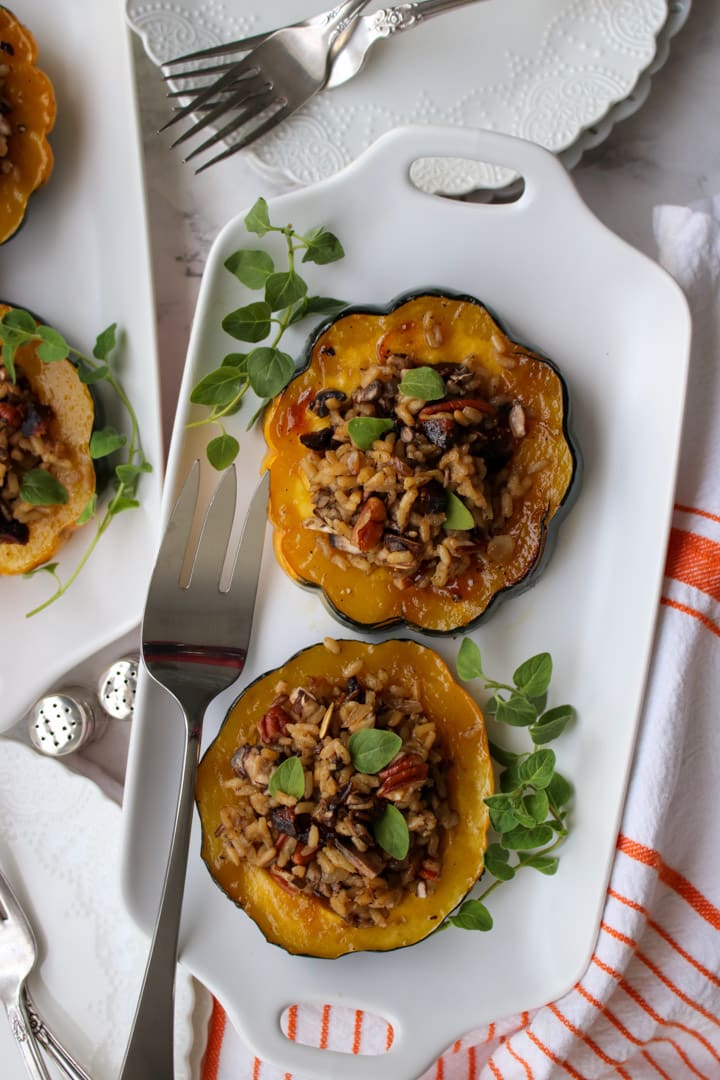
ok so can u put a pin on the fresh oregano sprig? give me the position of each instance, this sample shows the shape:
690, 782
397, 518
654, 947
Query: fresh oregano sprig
530, 813
17, 328
265, 369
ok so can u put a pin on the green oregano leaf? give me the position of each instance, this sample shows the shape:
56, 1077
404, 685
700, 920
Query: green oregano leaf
392, 833
17, 319
289, 777
323, 305
468, 663
524, 839
218, 387
251, 267
457, 515
8, 359
501, 755
364, 430
40, 488
322, 247
503, 812
89, 510
537, 805
222, 451
282, 290
257, 220
559, 791
551, 724
516, 711
537, 769
53, 346
237, 360
472, 915
424, 383
371, 749
269, 370
496, 863
46, 568
105, 342
546, 864
532, 678
106, 441
249, 323
90, 375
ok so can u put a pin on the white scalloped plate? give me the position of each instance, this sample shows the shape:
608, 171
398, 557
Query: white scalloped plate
81, 261
59, 848
556, 72
616, 324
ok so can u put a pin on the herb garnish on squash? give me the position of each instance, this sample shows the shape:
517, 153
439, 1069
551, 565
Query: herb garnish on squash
368, 813
49, 388
420, 463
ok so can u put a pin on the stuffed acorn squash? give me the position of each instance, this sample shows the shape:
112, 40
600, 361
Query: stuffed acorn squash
342, 800
419, 463
47, 476
27, 116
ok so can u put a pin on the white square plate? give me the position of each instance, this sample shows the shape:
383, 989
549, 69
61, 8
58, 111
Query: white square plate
81, 261
618, 328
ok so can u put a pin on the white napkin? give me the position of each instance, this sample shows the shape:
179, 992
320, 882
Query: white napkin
649, 1003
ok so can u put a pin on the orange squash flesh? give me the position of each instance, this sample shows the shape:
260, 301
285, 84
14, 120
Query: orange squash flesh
30, 98
58, 386
338, 356
304, 925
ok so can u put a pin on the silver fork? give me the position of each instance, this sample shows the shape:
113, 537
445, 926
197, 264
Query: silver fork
366, 32
195, 636
275, 79
18, 953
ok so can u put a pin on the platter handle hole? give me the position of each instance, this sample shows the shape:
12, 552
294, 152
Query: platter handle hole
337, 1027
491, 184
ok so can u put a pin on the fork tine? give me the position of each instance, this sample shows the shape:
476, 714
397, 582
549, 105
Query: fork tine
243, 45
215, 536
171, 554
216, 69
236, 72
236, 101
10, 910
251, 136
256, 105
241, 563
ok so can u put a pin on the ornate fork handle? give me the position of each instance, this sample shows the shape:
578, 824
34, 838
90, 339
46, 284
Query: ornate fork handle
388, 20
50, 1042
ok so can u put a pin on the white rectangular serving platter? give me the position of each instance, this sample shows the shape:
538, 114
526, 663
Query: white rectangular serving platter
618, 328
81, 261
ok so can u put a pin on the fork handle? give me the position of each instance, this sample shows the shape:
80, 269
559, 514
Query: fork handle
20, 1027
149, 1054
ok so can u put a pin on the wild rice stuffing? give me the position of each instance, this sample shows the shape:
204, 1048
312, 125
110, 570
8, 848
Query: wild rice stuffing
25, 443
323, 843
387, 506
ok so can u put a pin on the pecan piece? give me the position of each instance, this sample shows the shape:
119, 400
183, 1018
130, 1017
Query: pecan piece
404, 770
368, 529
274, 723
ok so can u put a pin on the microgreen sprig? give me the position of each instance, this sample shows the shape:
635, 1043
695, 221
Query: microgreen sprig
266, 369
530, 813
17, 328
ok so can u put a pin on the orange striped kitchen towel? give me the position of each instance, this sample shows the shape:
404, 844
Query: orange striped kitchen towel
648, 1006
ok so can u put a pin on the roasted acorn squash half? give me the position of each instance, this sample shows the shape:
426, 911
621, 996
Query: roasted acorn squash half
27, 116
260, 725
47, 415
420, 462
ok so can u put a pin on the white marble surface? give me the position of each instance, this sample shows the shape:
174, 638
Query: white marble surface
669, 151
